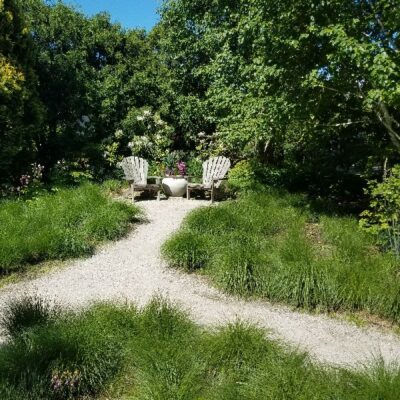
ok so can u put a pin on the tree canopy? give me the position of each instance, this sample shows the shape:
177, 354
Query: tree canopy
308, 85
308, 89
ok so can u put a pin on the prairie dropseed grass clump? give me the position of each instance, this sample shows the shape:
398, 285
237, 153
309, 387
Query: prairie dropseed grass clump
157, 352
273, 246
57, 226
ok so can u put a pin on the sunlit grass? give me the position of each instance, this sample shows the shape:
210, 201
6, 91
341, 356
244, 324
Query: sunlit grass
273, 246
69, 223
117, 352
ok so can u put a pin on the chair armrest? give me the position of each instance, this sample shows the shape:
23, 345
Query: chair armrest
220, 179
190, 177
157, 178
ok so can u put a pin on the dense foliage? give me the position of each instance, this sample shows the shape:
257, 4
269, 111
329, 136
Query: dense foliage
383, 216
276, 247
20, 109
309, 86
88, 77
158, 353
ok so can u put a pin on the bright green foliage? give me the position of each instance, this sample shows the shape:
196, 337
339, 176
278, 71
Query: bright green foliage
310, 86
242, 177
383, 216
68, 223
158, 353
272, 246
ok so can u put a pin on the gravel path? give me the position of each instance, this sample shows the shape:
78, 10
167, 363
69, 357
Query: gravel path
131, 269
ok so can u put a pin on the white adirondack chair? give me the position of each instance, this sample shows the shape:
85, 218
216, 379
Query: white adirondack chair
214, 171
135, 170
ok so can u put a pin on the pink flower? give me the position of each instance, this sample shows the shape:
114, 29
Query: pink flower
182, 168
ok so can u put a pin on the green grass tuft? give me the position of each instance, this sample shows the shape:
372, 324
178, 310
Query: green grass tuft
273, 246
158, 353
27, 312
67, 224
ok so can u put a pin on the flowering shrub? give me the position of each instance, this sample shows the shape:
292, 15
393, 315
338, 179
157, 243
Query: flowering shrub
28, 184
156, 137
142, 133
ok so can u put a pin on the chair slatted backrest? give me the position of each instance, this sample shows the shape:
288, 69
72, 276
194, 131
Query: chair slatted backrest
215, 168
135, 169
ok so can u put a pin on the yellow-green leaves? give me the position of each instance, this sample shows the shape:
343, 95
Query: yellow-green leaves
383, 216
10, 77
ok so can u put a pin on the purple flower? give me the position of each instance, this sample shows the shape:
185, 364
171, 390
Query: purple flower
182, 168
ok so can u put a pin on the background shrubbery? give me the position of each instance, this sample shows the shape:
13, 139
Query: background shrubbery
383, 217
158, 353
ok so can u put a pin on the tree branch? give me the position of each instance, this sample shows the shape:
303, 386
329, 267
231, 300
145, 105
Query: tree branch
389, 123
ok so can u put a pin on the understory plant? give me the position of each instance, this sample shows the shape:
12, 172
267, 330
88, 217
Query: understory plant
383, 216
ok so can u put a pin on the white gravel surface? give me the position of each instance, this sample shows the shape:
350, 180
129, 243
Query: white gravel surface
132, 270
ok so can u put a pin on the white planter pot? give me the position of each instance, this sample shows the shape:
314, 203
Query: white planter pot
174, 186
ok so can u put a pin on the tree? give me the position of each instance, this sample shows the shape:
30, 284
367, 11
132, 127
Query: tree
310, 86
20, 110
92, 75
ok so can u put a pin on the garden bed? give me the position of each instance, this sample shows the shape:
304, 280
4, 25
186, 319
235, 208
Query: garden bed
275, 247
68, 223
158, 353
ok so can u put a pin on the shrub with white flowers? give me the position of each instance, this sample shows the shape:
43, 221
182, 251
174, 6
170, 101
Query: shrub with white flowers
143, 133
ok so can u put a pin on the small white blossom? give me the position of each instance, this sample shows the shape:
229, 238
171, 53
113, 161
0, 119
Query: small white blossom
118, 133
